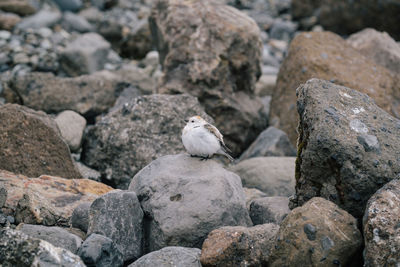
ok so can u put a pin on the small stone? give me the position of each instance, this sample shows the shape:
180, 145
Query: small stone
71, 126
369, 142
80, 216
269, 210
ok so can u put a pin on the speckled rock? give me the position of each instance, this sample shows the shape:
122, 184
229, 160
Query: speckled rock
170, 257
269, 210
317, 234
348, 147
381, 227
71, 126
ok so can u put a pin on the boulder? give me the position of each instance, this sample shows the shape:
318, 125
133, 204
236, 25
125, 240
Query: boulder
131, 136
80, 216
100, 251
239, 246
43, 19
317, 234
31, 144
20, 7
327, 56
348, 147
381, 225
271, 175
19, 249
47, 200
184, 199
71, 126
216, 57
85, 55
272, 142
57, 236
118, 216
170, 257
269, 210
378, 46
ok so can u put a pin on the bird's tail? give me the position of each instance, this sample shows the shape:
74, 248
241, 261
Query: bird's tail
226, 154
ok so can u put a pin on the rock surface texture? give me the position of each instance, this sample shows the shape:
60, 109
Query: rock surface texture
184, 199
131, 136
214, 56
317, 234
381, 224
269, 210
170, 257
71, 126
348, 147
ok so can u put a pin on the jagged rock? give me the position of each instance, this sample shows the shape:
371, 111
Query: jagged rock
44, 18
184, 199
269, 210
239, 246
57, 236
272, 175
47, 200
71, 126
170, 257
381, 226
31, 144
18, 249
118, 216
80, 216
138, 132
98, 250
272, 142
348, 147
317, 234
216, 57
327, 56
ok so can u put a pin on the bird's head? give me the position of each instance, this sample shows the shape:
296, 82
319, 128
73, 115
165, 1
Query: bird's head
195, 120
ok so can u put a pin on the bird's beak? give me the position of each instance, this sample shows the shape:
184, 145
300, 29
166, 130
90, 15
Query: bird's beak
186, 120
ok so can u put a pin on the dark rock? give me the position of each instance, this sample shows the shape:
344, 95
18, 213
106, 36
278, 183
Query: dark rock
317, 234
272, 142
344, 155
170, 257
80, 216
184, 199
100, 251
3, 196
118, 216
87, 172
269, 210
239, 246
57, 236
381, 224
141, 130
31, 144
44, 18
282, 30
69, 5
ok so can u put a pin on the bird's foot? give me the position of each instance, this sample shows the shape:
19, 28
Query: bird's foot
204, 158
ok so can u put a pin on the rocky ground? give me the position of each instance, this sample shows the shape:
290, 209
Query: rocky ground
93, 94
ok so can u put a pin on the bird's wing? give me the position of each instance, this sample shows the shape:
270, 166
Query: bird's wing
212, 129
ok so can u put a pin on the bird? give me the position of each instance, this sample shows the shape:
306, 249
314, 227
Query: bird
202, 139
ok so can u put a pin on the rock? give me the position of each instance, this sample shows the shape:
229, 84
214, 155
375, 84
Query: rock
324, 55
251, 194
74, 22
103, 4
8, 21
18, 249
56, 236
216, 57
266, 85
118, 216
71, 126
184, 199
80, 216
85, 55
127, 95
20, 7
137, 137
69, 5
170, 257
282, 30
348, 147
47, 200
272, 142
98, 250
239, 246
378, 46
269, 210
31, 144
381, 226
317, 234
137, 42
44, 18
3, 196
266, 101
272, 175
87, 172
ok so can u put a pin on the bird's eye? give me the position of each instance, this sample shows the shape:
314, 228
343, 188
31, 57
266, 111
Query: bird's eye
192, 121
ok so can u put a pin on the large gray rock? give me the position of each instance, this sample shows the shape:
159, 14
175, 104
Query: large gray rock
42, 19
317, 234
170, 257
269, 210
348, 147
100, 251
85, 55
71, 126
381, 224
216, 57
272, 142
73, 22
131, 136
80, 216
271, 175
57, 236
185, 198
118, 216
19, 249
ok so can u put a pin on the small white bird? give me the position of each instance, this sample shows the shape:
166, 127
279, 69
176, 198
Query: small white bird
203, 140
